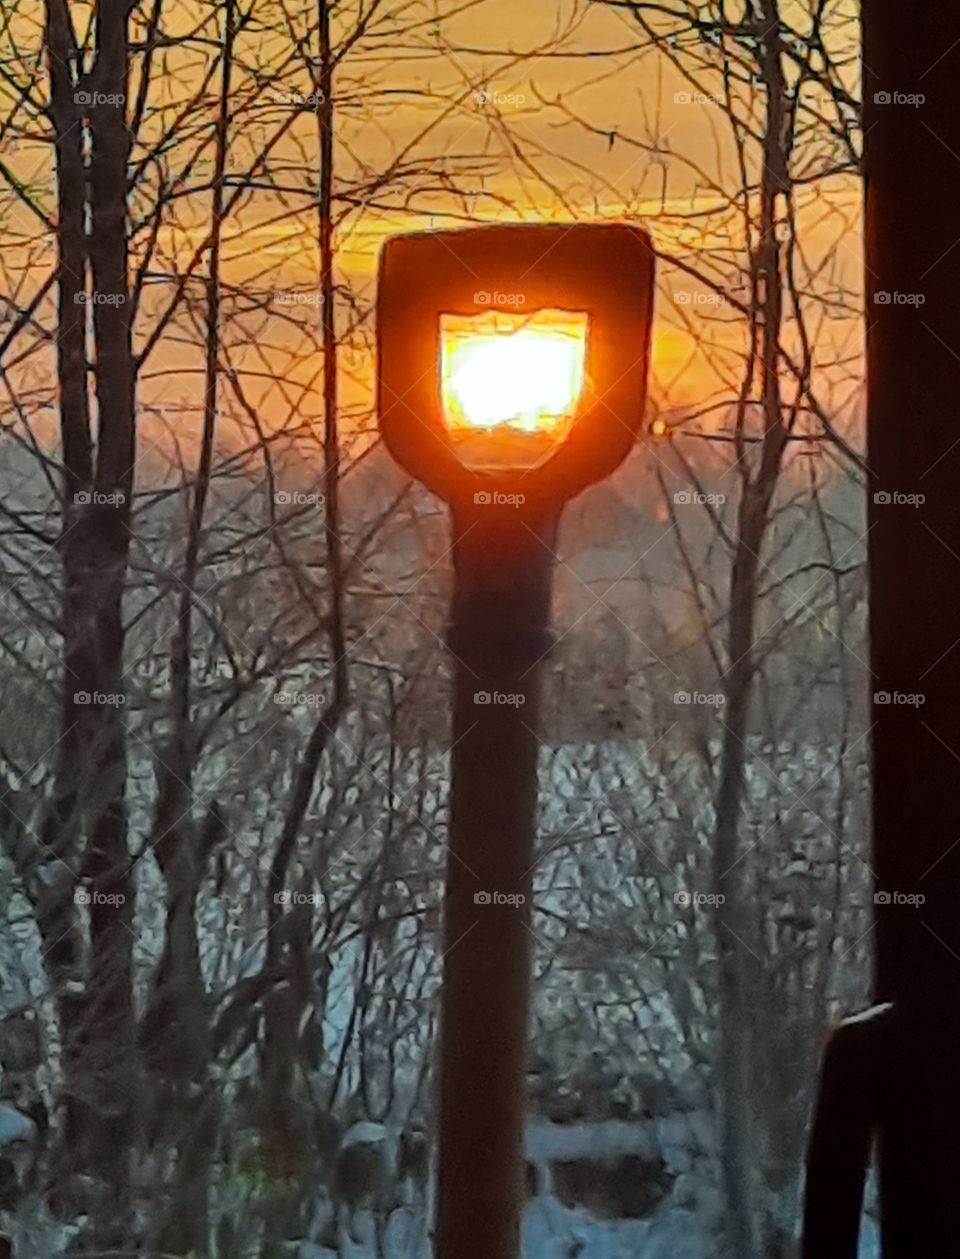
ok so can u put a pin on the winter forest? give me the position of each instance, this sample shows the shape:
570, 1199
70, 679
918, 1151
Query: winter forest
224, 689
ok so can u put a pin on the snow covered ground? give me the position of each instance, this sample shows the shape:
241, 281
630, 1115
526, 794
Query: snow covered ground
685, 1225
553, 1232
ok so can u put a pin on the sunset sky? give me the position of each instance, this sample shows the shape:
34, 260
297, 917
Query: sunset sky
552, 114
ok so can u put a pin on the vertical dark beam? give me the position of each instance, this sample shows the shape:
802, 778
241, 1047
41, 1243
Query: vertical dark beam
890, 1078
498, 637
912, 168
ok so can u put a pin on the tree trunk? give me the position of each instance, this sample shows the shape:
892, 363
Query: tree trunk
739, 1145
286, 939
175, 1032
86, 823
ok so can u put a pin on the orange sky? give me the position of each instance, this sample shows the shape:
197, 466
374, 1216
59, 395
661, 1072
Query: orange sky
579, 124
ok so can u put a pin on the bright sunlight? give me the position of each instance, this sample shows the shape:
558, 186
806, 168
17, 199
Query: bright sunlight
511, 383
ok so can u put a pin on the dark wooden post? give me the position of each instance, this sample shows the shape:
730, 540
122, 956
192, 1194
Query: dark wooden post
503, 563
